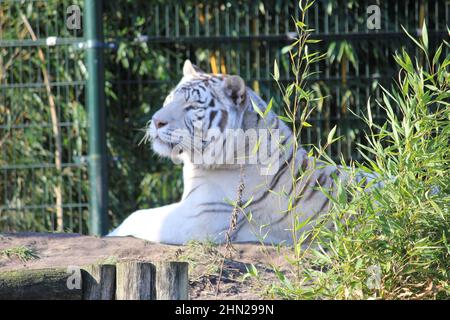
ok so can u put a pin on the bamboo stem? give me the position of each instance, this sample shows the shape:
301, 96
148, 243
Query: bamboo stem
55, 128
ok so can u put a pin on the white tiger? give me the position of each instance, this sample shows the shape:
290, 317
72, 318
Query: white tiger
224, 102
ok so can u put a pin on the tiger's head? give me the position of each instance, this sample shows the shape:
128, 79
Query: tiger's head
200, 103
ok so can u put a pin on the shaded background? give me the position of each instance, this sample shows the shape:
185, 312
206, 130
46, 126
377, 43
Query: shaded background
148, 42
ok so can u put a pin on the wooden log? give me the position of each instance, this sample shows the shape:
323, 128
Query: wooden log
99, 282
172, 281
135, 281
43, 284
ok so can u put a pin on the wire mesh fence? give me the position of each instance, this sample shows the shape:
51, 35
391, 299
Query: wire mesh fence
43, 123
42, 120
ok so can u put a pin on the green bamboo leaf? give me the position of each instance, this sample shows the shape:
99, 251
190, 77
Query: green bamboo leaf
276, 71
251, 270
437, 55
369, 113
300, 225
256, 108
247, 203
285, 119
256, 147
313, 41
425, 35
412, 38
331, 135
269, 107
446, 62
431, 87
308, 5
404, 61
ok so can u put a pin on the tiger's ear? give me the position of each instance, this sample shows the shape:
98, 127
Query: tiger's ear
190, 69
235, 89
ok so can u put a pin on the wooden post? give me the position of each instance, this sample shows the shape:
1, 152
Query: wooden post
99, 282
172, 281
135, 281
126, 281
43, 284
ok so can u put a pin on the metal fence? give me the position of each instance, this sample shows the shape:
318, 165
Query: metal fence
44, 120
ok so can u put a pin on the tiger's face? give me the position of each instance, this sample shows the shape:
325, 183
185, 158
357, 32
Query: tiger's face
201, 103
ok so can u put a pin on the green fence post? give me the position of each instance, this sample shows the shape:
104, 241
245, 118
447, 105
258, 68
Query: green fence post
95, 95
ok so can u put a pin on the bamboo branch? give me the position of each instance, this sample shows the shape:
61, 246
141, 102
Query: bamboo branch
55, 128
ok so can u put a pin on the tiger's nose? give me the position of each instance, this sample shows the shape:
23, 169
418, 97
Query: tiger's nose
159, 123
